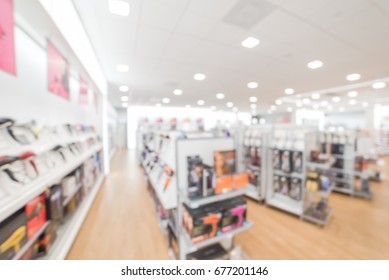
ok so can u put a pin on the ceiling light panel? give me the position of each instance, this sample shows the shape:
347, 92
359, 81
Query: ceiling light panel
315, 64
378, 85
253, 99
199, 77
123, 88
220, 96
352, 94
353, 77
178, 92
252, 85
250, 42
119, 7
289, 91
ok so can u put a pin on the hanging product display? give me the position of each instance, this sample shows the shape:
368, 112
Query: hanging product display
58, 72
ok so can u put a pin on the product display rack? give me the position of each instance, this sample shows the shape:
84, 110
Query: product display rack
254, 142
35, 167
171, 149
345, 177
67, 232
288, 169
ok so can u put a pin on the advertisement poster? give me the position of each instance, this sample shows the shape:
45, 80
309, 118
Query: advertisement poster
83, 97
7, 44
58, 72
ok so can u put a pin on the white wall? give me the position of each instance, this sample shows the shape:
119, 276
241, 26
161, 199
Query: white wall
347, 119
25, 96
151, 112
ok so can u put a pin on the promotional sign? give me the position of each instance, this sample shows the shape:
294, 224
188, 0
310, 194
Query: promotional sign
7, 44
58, 72
83, 97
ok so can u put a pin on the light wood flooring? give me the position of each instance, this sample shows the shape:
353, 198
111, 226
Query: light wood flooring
121, 224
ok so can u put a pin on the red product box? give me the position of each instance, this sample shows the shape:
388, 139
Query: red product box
36, 215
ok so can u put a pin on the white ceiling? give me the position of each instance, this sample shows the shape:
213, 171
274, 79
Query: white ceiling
165, 42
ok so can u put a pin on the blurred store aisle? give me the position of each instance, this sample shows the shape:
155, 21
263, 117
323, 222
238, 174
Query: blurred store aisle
122, 225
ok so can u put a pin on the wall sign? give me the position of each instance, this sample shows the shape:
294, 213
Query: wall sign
58, 72
7, 44
83, 97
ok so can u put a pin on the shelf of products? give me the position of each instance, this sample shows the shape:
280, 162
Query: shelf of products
31, 242
68, 231
14, 202
196, 246
196, 203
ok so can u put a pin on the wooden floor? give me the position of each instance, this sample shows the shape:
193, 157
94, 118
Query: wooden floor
121, 225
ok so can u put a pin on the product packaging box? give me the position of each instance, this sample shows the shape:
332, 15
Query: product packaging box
36, 214
13, 234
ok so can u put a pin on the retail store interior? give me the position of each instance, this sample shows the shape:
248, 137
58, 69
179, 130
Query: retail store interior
194, 129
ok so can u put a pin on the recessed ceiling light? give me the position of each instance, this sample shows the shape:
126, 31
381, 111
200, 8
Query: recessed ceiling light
316, 96
199, 77
352, 94
365, 104
220, 96
124, 98
158, 105
122, 68
123, 88
378, 85
306, 101
253, 99
273, 108
200, 102
289, 109
213, 108
253, 106
230, 104
250, 42
166, 100
187, 106
252, 85
352, 102
124, 105
289, 91
324, 103
177, 91
336, 99
235, 109
341, 109
119, 7
278, 102
353, 77
315, 64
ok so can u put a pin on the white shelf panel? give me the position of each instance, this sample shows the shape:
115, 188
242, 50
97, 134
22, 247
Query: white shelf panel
15, 202
196, 203
253, 192
31, 241
343, 190
69, 230
193, 247
291, 175
285, 203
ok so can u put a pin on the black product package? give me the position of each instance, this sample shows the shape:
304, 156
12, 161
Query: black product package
195, 176
213, 252
55, 209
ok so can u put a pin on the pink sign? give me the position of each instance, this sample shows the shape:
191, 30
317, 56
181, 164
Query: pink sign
58, 72
83, 98
7, 44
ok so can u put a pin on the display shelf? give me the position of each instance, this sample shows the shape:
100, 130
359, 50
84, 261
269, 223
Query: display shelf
322, 192
317, 220
286, 203
69, 197
41, 146
68, 231
31, 241
344, 190
196, 203
253, 167
16, 201
192, 247
286, 174
364, 195
172, 227
252, 192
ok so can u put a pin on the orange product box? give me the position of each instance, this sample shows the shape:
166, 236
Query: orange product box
241, 180
223, 184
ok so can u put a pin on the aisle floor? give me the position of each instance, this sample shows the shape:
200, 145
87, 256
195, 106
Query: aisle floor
122, 225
